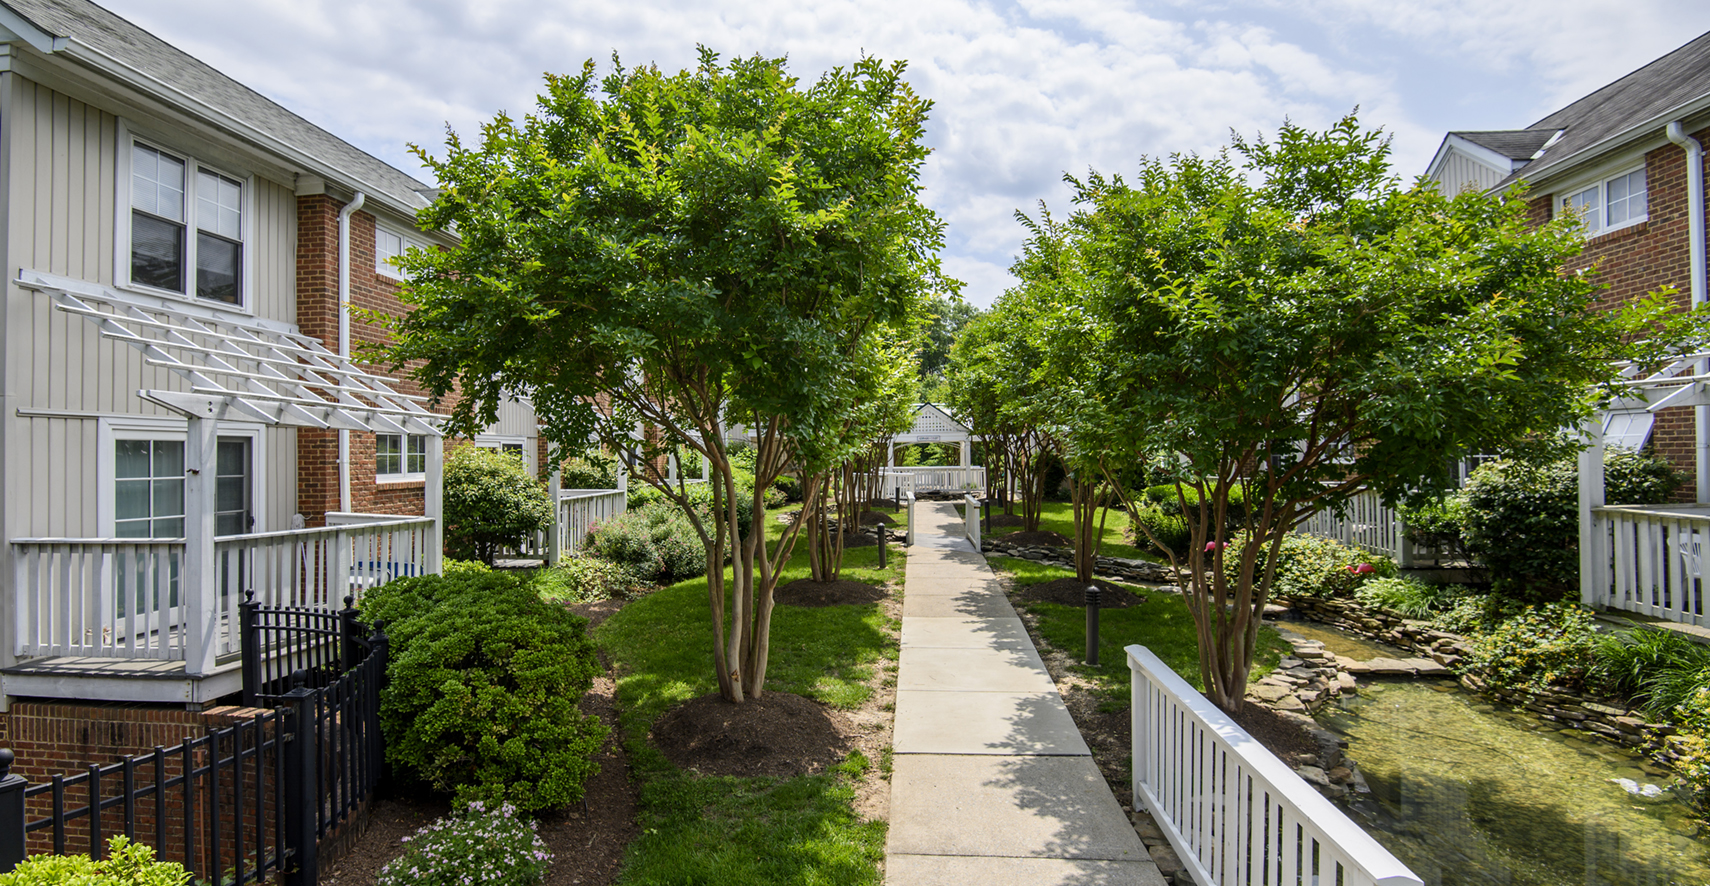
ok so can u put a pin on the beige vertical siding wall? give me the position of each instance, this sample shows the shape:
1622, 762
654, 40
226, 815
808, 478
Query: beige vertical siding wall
1460, 172
516, 419
64, 195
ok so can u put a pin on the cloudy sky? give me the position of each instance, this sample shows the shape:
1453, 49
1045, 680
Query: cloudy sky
1024, 91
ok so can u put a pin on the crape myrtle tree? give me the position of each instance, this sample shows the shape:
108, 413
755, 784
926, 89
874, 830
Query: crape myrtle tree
885, 379
654, 259
1301, 327
991, 388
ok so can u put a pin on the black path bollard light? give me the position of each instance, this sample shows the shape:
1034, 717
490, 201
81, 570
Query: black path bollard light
1092, 624
986, 515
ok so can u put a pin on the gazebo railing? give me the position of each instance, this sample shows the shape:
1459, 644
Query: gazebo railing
1649, 560
897, 481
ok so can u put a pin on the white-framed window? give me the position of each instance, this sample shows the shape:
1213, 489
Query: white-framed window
400, 457
183, 225
509, 445
389, 243
140, 463
1610, 203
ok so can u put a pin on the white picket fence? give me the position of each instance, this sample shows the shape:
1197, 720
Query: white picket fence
580, 510
1651, 559
1233, 812
1369, 525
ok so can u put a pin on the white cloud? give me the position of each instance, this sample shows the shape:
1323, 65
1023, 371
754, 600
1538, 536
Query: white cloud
1025, 90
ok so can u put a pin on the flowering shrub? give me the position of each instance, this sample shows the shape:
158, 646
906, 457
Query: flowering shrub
1312, 567
474, 847
127, 864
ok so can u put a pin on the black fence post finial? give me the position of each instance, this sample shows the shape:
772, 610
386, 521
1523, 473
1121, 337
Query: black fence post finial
350, 630
12, 817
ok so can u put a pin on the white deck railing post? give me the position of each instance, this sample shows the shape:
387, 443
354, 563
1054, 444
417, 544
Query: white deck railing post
198, 572
1592, 561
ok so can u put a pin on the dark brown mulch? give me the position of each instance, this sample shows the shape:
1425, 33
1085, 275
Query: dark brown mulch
1279, 735
1036, 538
1007, 520
778, 734
587, 840
1072, 592
871, 517
807, 592
884, 504
597, 611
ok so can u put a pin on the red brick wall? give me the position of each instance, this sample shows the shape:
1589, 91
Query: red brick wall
1644, 258
317, 315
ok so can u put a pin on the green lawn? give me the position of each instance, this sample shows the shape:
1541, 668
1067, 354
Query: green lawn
1055, 516
749, 830
1161, 624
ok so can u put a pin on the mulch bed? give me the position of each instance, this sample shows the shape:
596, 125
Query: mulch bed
870, 517
1072, 592
778, 734
1037, 538
1278, 734
1008, 520
807, 592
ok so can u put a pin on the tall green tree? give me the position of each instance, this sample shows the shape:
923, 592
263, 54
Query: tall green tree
659, 259
1301, 327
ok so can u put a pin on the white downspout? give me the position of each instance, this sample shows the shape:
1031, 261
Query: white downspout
1695, 246
344, 336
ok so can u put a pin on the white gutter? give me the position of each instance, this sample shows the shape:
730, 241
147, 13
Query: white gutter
1695, 248
344, 336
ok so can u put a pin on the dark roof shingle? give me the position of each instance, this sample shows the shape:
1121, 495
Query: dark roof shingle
1669, 82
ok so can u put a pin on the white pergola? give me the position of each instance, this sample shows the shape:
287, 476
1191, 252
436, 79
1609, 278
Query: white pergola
243, 369
1627, 422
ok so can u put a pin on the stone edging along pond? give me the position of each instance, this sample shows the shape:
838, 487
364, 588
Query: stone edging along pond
1608, 719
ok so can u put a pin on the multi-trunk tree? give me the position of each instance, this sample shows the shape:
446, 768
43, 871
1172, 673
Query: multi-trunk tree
657, 259
1301, 327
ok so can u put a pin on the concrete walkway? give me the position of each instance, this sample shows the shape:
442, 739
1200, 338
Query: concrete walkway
991, 782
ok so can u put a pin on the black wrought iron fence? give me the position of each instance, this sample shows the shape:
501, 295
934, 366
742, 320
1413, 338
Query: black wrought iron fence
245, 802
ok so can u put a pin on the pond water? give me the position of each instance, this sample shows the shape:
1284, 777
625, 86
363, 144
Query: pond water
1467, 794
1358, 648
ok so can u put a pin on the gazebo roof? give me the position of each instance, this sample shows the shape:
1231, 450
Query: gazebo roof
933, 424
261, 371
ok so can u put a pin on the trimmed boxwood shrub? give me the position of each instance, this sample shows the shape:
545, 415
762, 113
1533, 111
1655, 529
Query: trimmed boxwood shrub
491, 503
593, 469
484, 682
1169, 529
1521, 517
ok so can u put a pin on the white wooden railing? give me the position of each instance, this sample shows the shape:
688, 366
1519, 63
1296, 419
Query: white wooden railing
124, 598
579, 510
1649, 559
1234, 813
1370, 525
971, 519
894, 481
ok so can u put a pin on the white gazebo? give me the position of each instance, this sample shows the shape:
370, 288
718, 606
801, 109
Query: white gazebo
933, 424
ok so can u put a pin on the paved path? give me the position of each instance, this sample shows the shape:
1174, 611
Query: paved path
991, 783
